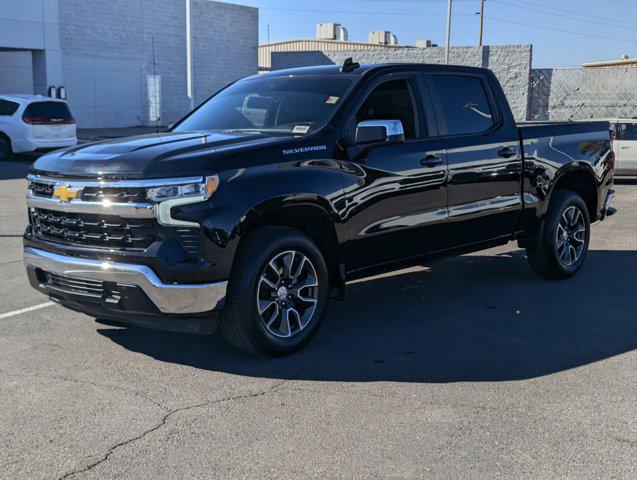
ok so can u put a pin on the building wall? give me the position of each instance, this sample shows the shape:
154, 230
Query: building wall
21, 24
16, 72
311, 45
511, 64
29, 29
109, 48
225, 45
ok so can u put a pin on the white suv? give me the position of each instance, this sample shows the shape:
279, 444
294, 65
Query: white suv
624, 134
30, 123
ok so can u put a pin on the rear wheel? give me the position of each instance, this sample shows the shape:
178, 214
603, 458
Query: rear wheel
563, 246
5, 149
277, 292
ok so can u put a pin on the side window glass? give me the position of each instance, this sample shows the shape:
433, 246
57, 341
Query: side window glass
392, 100
629, 131
464, 104
8, 108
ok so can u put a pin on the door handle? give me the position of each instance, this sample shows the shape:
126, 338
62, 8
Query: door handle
506, 152
431, 160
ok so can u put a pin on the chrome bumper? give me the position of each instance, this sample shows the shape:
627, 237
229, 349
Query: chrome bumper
168, 298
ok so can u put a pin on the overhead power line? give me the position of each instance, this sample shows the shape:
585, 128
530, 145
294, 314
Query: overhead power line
355, 12
588, 35
421, 14
561, 15
580, 14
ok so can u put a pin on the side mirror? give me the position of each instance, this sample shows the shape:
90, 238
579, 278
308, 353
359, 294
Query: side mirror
379, 132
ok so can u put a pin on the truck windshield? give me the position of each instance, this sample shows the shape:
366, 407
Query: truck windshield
279, 105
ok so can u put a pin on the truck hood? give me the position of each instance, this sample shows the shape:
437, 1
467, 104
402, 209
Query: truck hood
172, 154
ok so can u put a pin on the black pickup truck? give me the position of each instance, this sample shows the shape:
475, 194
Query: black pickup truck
265, 200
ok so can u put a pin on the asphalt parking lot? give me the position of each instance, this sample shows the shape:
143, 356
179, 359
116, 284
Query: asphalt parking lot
470, 368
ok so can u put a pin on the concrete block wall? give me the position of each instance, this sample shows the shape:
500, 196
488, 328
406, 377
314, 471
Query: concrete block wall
164, 43
511, 64
225, 45
109, 49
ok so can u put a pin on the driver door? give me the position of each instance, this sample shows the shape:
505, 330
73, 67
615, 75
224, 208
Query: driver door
396, 194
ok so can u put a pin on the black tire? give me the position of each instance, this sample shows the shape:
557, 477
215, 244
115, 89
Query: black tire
557, 254
242, 323
5, 149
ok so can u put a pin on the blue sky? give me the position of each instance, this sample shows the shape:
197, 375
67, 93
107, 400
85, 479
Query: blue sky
599, 29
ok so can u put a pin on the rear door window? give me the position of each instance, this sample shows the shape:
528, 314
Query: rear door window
627, 131
47, 113
463, 104
8, 108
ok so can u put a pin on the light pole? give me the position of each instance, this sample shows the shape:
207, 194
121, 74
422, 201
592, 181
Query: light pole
481, 22
448, 31
189, 57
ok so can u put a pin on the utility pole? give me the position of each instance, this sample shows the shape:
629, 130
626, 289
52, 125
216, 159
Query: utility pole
481, 22
268, 33
448, 31
189, 57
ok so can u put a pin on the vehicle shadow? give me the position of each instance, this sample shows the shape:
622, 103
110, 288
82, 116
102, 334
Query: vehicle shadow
471, 318
17, 167
626, 180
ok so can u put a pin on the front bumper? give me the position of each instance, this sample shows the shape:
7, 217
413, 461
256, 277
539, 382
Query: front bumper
170, 299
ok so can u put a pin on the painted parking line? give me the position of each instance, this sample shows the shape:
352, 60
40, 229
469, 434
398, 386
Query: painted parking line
25, 310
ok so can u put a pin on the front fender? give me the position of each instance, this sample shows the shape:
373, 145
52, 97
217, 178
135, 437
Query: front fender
246, 196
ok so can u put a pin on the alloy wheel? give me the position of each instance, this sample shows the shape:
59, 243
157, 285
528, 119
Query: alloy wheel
287, 294
571, 236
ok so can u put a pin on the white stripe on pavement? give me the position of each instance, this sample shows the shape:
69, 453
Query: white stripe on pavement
25, 310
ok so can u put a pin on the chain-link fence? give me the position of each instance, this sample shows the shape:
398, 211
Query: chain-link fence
581, 93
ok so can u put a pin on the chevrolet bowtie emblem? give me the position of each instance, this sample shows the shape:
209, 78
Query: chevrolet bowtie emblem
65, 193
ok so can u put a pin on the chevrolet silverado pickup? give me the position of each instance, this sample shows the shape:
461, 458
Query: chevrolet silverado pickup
263, 202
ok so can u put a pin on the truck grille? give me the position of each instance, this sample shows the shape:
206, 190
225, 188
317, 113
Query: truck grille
95, 194
112, 232
93, 230
41, 189
116, 195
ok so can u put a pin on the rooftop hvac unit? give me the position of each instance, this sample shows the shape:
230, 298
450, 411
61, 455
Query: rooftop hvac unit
383, 37
331, 31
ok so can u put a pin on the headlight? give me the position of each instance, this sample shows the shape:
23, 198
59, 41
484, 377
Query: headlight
170, 192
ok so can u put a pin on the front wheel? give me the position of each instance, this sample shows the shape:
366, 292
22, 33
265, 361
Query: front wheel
277, 292
563, 246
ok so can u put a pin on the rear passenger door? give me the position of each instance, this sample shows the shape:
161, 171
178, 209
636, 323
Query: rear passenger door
484, 163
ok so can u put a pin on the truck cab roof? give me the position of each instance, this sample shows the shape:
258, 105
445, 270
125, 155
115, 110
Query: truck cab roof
368, 69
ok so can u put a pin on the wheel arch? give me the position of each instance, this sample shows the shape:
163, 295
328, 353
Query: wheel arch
582, 181
309, 217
